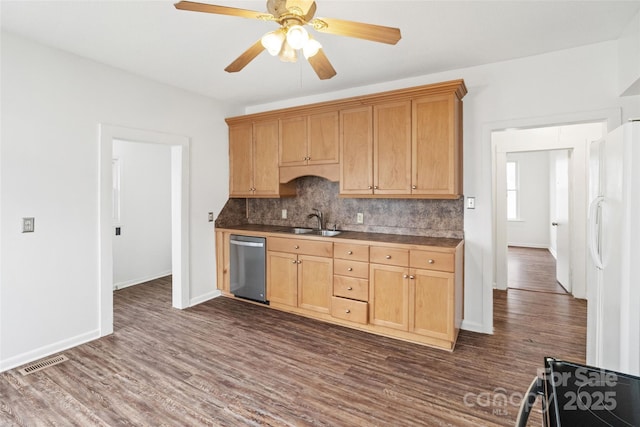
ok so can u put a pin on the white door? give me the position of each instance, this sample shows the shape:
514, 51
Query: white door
560, 221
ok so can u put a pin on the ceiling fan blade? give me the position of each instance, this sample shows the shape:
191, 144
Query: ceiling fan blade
246, 57
222, 10
376, 33
321, 65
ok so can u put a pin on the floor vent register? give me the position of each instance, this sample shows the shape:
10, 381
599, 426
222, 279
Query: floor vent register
42, 364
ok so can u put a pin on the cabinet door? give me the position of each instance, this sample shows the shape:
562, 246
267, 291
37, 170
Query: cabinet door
315, 280
436, 152
432, 304
241, 160
266, 177
356, 151
293, 141
222, 261
282, 278
324, 138
392, 148
389, 296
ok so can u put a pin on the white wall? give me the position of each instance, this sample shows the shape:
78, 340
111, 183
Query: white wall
142, 251
532, 228
536, 90
52, 103
629, 58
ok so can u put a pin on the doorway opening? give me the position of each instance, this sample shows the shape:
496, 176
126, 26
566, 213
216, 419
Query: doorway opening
558, 225
179, 146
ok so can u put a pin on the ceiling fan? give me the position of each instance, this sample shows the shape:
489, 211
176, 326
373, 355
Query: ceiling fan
291, 36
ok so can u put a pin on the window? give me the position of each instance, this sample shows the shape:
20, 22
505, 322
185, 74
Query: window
513, 201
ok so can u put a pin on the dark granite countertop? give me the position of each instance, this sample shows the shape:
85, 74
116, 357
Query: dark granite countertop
438, 242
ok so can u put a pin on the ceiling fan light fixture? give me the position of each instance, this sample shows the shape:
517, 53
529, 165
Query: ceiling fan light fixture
311, 48
297, 36
288, 53
272, 41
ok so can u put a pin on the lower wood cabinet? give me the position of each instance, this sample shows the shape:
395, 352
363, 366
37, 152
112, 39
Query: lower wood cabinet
297, 279
404, 291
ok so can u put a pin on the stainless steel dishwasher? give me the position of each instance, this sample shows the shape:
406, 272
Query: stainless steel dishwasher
247, 259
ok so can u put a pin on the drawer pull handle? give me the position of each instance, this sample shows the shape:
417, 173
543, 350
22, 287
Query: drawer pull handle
349, 269
296, 247
431, 261
347, 311
388, 257
350, 253
349, 288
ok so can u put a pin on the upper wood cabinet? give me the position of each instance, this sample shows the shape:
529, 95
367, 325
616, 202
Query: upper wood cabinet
253, 161
356, 147
437, 146
309, 140
405, 143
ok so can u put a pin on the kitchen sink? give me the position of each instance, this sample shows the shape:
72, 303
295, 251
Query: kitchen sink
327, 233
298, 230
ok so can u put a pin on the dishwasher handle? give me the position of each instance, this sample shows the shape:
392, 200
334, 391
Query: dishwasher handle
250, 244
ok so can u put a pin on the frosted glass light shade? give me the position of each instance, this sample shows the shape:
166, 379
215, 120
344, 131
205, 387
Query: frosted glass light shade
288, 53
311, 48
297, 37
272, 41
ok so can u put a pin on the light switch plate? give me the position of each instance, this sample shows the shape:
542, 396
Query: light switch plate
210, 216
284, 214
471, 202
360, 218
28, 225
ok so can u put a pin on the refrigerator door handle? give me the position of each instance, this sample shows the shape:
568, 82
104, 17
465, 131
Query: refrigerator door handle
596, 256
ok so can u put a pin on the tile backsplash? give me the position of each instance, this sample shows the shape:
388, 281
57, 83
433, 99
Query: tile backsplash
420, 217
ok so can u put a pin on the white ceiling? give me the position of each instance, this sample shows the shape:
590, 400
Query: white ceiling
190, 50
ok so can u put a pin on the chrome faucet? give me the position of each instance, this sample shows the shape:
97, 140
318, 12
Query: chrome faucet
317, 214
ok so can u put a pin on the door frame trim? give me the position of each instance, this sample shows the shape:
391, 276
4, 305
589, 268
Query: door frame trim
180, 147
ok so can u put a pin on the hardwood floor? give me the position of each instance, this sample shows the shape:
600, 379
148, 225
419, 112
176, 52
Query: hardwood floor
229, 363
532, 269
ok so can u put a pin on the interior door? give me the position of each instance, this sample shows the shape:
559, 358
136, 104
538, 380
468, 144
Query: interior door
561, 222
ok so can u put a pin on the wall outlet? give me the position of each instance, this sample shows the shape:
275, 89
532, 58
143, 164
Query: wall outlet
284, 214
210, 216
28, 225
359, 218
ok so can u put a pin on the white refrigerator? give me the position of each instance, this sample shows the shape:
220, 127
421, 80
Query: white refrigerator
613, 279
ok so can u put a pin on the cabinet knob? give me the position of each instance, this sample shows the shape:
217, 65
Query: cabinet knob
299, 262
347, 311
296, 247
349, 269
388, 257
413, 187
431, 261
405, 276
349, 252
349, 288
375, 187
294, 261
411, 277
370, 187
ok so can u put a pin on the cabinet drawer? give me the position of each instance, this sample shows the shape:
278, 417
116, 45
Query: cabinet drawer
428, 260
300, 246
351, 251
351, 287
348, 309
389, 256
351, 268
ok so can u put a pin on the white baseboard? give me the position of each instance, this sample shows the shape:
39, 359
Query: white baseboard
48, 350
133, 282
529, 245
474, 327
553, 252
206, 297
